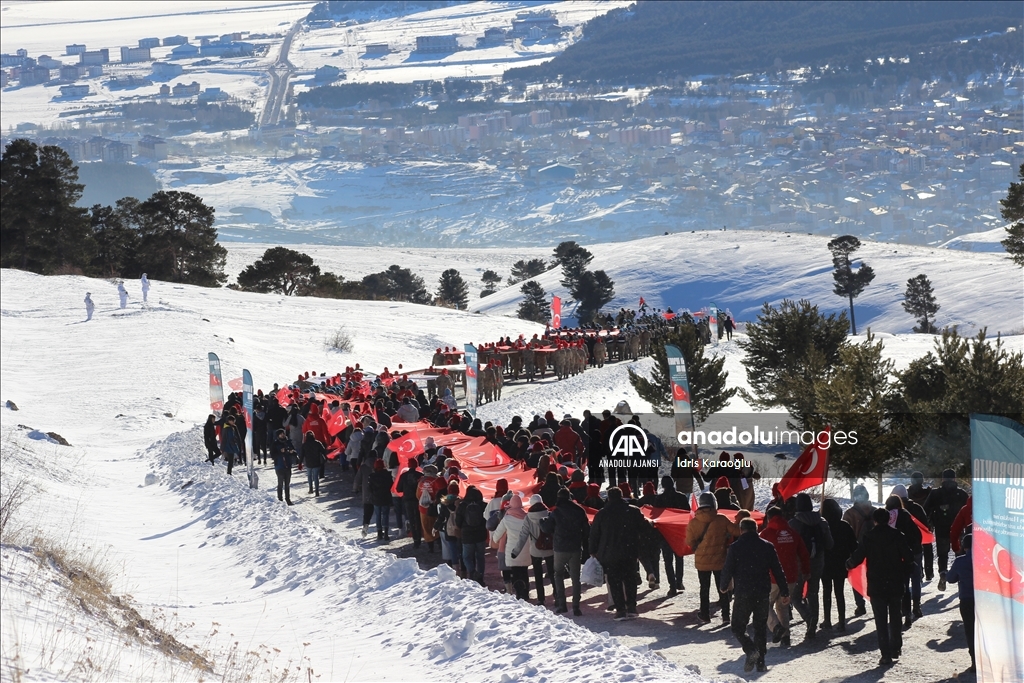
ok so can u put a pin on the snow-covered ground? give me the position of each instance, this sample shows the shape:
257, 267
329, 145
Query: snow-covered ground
738, 270
345, 46
228, 571
987, 240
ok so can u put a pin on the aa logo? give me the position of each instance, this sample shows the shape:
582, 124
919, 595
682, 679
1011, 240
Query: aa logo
628, 441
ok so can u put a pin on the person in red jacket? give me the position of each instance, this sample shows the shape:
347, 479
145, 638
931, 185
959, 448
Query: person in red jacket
568, 441
315, 423
796, 563
963, 519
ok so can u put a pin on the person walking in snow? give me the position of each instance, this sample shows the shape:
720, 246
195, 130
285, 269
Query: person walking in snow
282, 452
818, 539
834, 577
122, 293
145, 288
570, 532
380, 482
709, 534
89, 306
533, 541
962, 574
230, 442
942, 506
314, 457
614, 541
210, 438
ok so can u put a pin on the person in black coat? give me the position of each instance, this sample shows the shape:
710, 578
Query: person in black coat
210, 439
381, 482
570, 530
844, 542
407, 482
469, 517
942, 507
614, 541
314, 457
749, 564
282, 453
889, 563
549, 491
906, 526
674, 500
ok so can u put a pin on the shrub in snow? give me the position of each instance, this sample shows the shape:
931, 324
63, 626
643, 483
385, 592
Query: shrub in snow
339, 340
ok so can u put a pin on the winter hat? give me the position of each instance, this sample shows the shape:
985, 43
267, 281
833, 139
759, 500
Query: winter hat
722, 483
501, 487
378, 465
453, 488
948, 474
804, 503
430, 471
707, 500
563, 495
535, 499
627, 490
593, 490
515, 503
413, 463
900, 490
577, 476
649, 489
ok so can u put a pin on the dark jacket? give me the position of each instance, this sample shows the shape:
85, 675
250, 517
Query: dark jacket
670, 498
549, 491
569, 527
942, 506
314, 454
210, 437
844, 542
615, 533
889, 560
962, 574
407, 484
282, 453
905, 525
380, 487
751, 563
816, 534
469, 517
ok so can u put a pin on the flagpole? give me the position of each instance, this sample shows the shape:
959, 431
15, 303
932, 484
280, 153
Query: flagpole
828, 461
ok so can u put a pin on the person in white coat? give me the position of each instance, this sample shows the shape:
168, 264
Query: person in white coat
510, 527
123, 294
145, 288
89, 306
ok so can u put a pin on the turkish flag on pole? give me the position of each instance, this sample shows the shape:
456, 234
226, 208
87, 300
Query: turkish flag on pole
858, 577
235, 384
808, 470
336, 423
556, 312
926, 534
406, 446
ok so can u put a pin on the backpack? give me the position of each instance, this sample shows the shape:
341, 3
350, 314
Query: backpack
451, 528
811, 536
474, 515
543, 540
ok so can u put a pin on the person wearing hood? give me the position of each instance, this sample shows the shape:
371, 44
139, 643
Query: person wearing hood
210, 438
407, 412
549, 491
282, 453
796, 564
614, 541
570, 531
858, 516
449, 400
511, 526
537, 544
917, 512
673, 500
90, 307
361, 483
122, 294
919, 492
593, 499
902, 521
472, 522
818, 539
578, 486
709, 534
685, 477
407, 482
314, 457
844, 542
353, 448
230, 442
145, 288
889, 560
942, 506
427, 489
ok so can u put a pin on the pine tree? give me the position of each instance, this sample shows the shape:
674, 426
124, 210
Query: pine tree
706, 375
116, 235
574, 260
535, 305
452, 289
788, 350
41, 228
491, 281
919, 301
1013, 213
396, 284
178, 241
849, 282
858, 398
939, 391
282, 271
592, 290
523, 270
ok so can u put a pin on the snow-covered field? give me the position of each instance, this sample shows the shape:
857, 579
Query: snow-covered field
738, 270
247, 585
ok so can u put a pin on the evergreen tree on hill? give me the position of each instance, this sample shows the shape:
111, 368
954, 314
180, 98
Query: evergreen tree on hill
41, 228
574, 260
178, 241
788, 351
592, 290
919, 301
116, 234
849, 282
452, 289
535, 306
1013, 213
491, 281
523, 270
396, 284
706, 375
280, 270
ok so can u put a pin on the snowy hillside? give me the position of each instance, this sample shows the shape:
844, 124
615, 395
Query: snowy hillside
987, 241
735, 269
225, 565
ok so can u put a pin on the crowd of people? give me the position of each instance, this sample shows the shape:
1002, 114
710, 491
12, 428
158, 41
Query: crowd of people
764, 564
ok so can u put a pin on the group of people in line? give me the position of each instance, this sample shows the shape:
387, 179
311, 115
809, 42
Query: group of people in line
122, 295
796, 558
